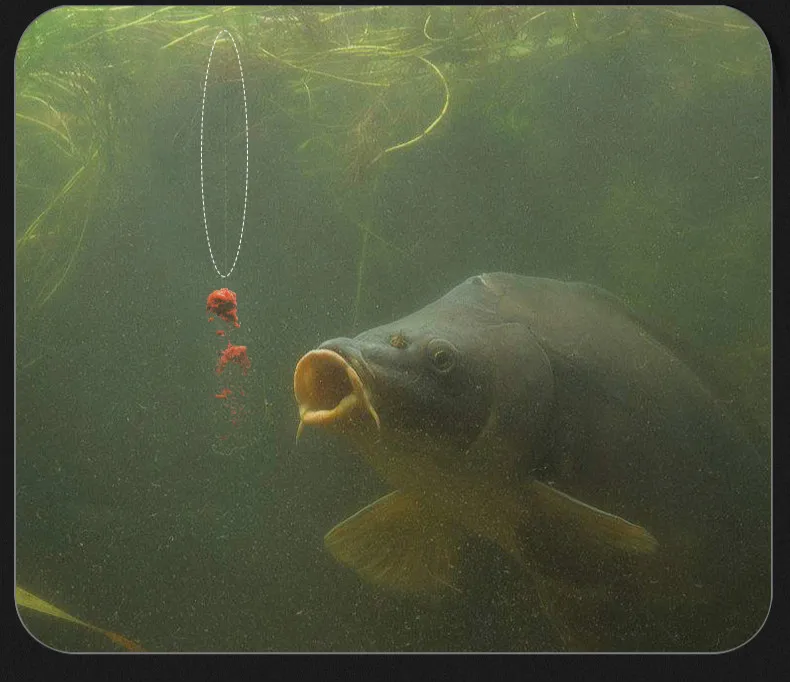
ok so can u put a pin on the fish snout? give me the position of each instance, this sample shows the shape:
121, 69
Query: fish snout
329, 391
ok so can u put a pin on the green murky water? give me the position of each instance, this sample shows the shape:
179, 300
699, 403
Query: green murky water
376, 157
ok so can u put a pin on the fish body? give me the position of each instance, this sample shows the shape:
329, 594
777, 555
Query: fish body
542, 417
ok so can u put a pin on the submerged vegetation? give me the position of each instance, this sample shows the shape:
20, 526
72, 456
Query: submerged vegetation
360, 84
30, 601
356, 91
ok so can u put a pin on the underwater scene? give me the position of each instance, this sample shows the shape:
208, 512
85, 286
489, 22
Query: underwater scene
393, 329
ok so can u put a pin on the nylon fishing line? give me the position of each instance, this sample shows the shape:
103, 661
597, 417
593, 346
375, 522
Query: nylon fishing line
247, 158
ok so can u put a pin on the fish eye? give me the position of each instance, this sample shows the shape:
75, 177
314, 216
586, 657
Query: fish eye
442, 355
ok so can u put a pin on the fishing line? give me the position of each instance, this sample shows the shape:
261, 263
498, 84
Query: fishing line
225, 181
222, 304
247, 160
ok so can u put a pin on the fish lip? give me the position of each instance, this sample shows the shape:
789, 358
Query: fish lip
353, 357
329, 390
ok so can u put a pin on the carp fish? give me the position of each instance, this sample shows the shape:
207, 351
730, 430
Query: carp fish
543, 418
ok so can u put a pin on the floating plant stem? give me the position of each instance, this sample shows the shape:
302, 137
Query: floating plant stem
360, 272
31, 229
31, 601
184, 37
436, 121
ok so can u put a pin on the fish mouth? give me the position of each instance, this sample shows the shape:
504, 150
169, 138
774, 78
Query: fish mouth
329, 391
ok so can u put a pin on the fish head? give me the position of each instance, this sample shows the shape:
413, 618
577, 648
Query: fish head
440, 381
392, 383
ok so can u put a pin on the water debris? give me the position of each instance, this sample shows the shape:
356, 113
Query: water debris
31, 601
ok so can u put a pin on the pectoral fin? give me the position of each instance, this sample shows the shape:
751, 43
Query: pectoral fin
574, 541
572, 518
393, 542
